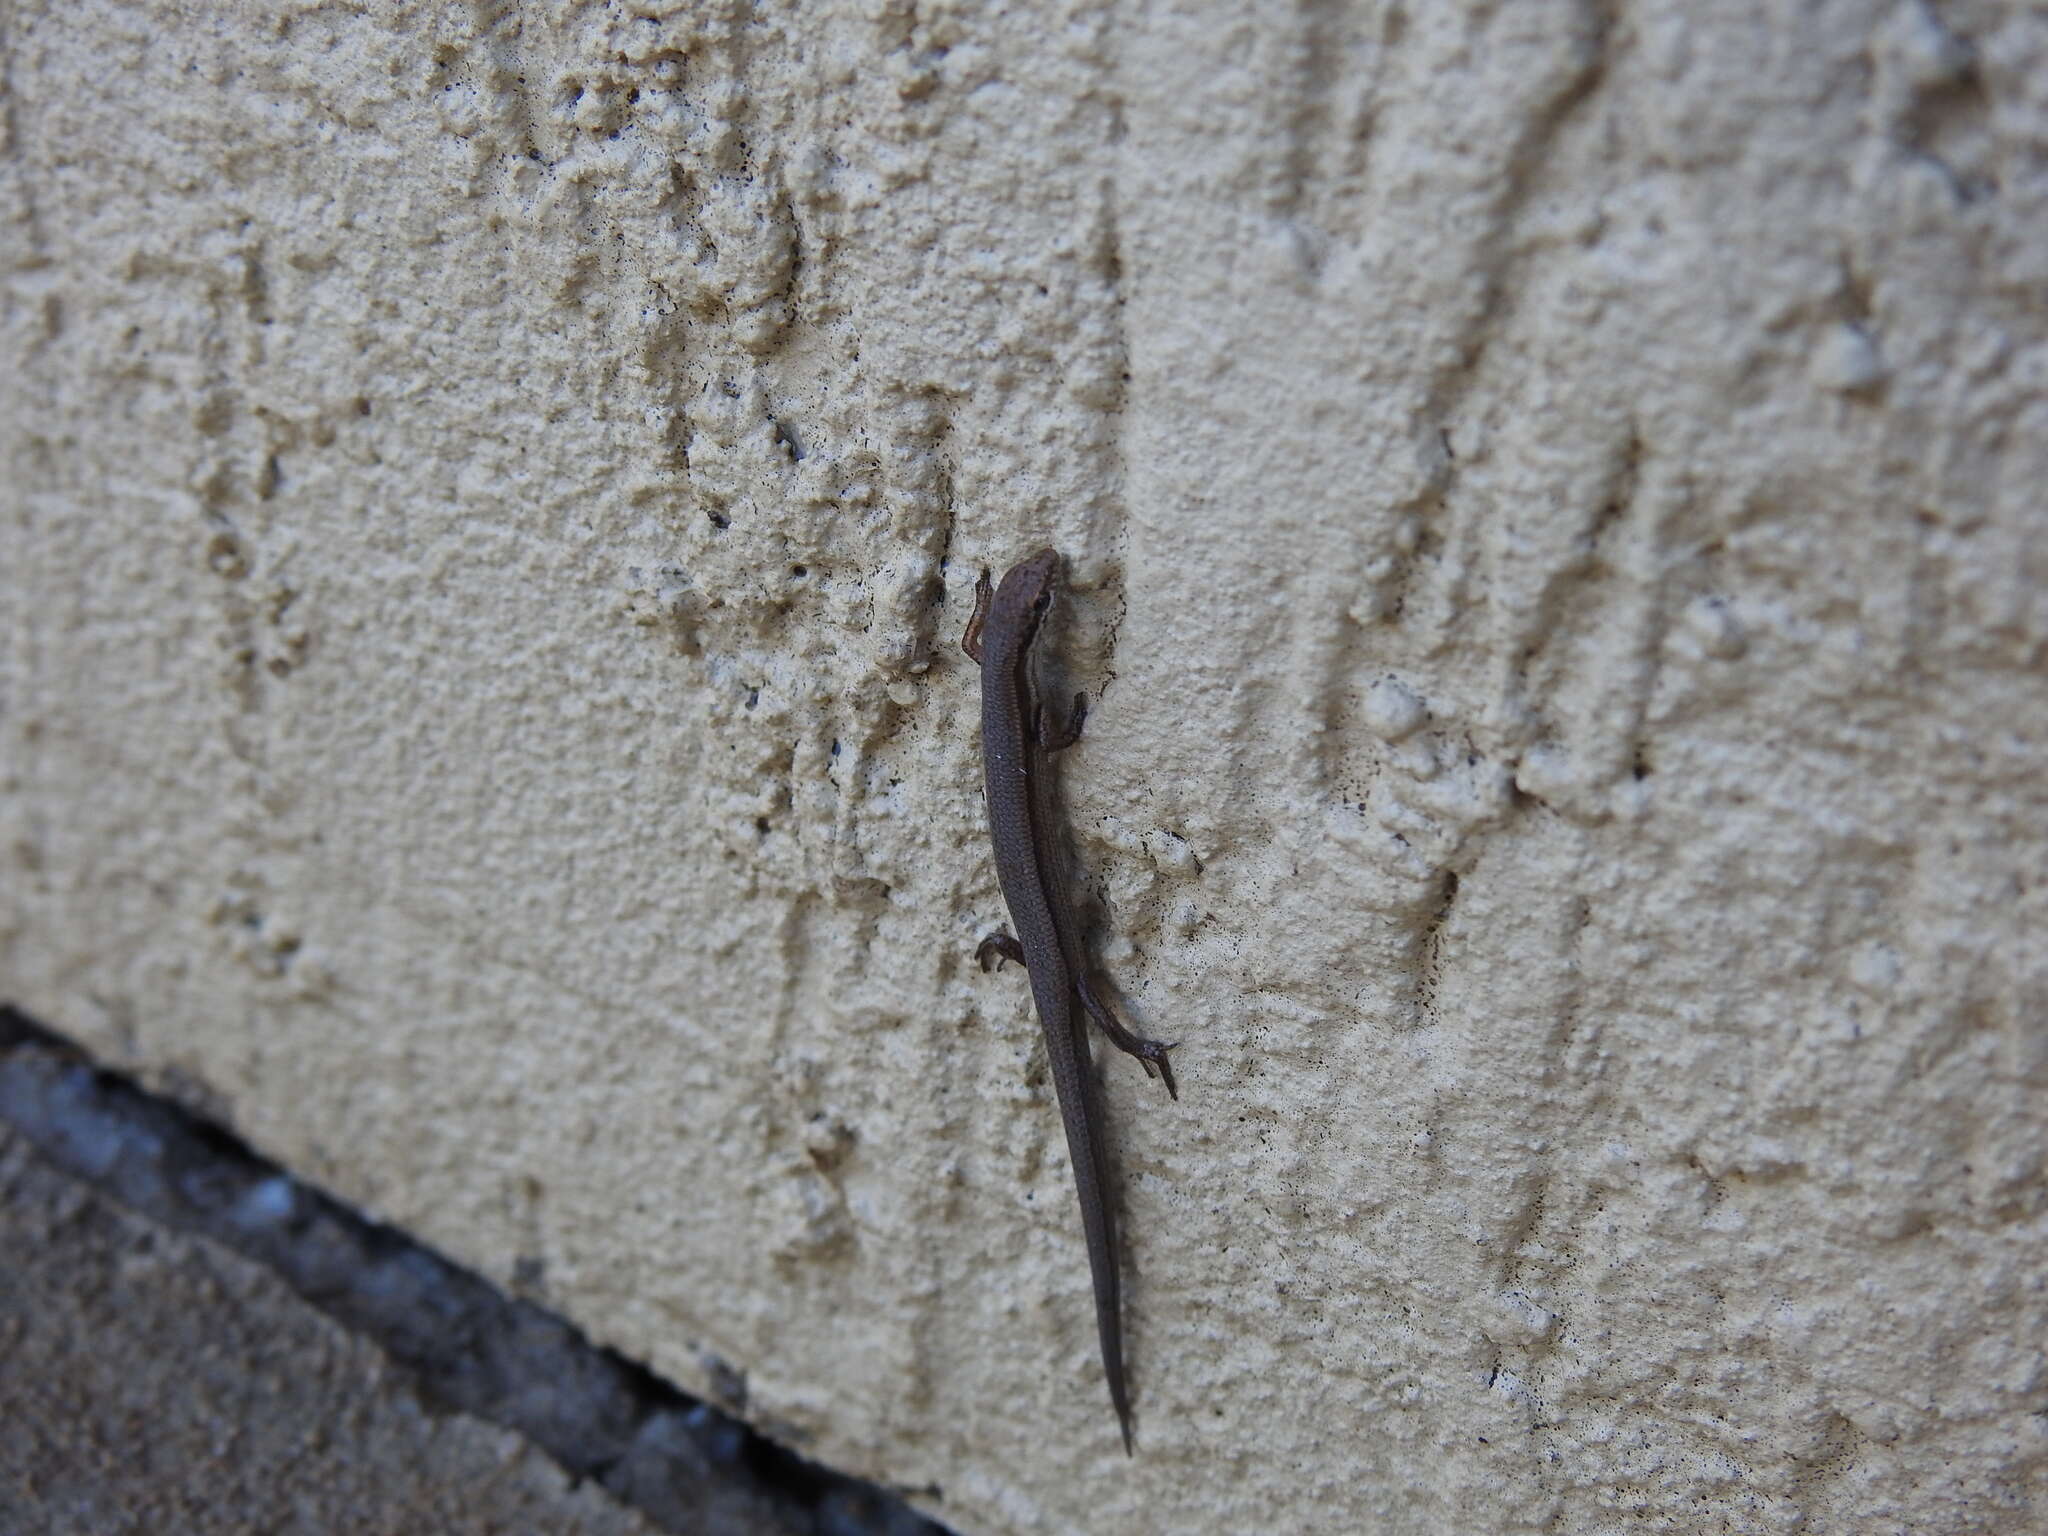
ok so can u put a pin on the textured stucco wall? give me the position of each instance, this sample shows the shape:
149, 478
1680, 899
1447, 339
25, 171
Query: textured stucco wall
1556, 493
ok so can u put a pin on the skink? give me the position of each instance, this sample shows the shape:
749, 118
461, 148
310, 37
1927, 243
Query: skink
1018, 738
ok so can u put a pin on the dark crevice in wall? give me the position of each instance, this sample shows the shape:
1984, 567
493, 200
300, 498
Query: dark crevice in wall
681, 1462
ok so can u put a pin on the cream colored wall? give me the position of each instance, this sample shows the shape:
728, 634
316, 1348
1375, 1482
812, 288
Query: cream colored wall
1556, 500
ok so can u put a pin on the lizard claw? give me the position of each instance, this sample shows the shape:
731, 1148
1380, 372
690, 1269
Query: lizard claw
1156, 1054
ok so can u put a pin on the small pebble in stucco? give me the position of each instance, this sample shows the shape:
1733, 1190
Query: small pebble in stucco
1392, 711
1714, 627
1847, 361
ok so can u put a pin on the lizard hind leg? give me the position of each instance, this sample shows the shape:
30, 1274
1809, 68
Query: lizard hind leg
1002, 947
1151, 1054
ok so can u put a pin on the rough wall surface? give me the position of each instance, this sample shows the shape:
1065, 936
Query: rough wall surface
1555, 500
